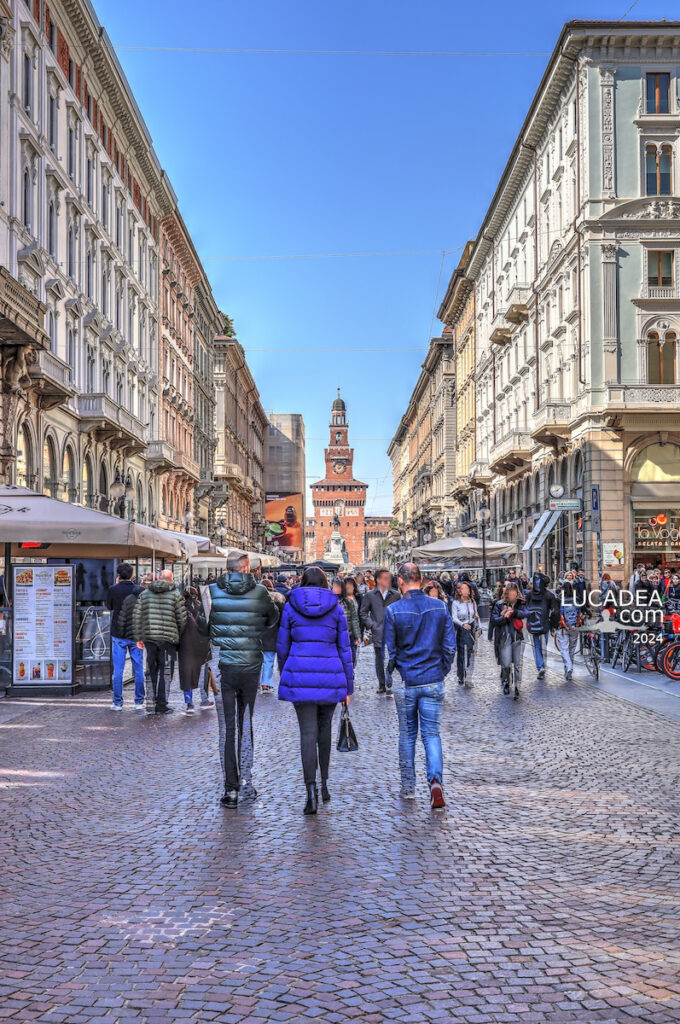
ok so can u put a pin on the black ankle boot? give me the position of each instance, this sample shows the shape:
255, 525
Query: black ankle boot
325, 795
312, 800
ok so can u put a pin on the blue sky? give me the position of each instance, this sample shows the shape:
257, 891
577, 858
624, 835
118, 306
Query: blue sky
281, 155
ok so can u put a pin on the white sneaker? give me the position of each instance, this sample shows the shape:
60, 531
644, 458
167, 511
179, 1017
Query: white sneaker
140, 707
116, 707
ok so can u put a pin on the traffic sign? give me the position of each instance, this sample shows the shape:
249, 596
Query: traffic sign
564, 504
595, 508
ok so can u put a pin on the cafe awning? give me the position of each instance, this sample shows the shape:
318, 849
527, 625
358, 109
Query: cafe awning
71, 531
538, 526
545, 529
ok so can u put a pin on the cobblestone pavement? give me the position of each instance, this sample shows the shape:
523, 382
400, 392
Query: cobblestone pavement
547, 891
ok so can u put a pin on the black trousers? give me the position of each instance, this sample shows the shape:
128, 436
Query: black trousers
315, 722
239, 690
465, 646
155, 660
380, 666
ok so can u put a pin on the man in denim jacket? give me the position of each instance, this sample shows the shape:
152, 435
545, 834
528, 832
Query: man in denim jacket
420, 642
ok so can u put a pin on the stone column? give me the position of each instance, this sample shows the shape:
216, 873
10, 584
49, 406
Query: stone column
610, 344
604, 467
607, 73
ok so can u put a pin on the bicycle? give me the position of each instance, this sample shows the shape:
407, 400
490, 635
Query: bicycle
592, 654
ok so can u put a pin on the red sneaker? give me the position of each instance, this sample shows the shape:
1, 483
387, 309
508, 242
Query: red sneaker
437, 800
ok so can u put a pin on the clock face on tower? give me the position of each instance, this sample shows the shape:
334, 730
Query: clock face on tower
339, 468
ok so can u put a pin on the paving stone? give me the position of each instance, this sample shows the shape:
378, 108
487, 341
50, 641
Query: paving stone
540, 896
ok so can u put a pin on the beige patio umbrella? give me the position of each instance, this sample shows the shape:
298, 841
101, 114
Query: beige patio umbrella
27, 517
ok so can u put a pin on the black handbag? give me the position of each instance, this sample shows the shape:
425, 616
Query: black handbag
347, 738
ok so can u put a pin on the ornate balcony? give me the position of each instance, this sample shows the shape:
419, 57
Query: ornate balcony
480, 474
461, 487
511, 452
22, 316
110, 423
424, 473
185, 464
52, 378
646, 406
229, 471
518, 304
551, 423
500, 333
160, 456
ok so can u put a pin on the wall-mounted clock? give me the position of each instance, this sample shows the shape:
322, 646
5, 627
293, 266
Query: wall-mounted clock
557, 491
339, 468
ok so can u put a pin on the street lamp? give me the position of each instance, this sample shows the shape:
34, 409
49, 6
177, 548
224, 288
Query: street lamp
483, 516
221, 532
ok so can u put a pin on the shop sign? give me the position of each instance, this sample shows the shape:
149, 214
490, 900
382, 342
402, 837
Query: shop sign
612, 555
43, 624
564, 504
657, 531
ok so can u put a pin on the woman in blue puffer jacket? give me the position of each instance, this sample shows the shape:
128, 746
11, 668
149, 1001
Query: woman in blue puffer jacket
315, 663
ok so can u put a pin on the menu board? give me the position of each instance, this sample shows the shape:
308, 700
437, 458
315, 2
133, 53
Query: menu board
43, 624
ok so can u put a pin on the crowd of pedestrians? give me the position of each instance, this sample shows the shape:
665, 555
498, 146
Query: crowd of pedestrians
313, 630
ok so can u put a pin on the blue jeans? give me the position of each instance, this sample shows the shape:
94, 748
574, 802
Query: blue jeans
267, 674
119, 648
419, 705
538, 639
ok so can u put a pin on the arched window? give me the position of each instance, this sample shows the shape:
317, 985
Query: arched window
537, 490
661, 358
49, 468
103, 489
149, 508
88, 496
659, 169
68, 472
657, 464
139, 511
24, 463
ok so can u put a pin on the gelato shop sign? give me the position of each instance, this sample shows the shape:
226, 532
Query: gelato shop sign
657, 532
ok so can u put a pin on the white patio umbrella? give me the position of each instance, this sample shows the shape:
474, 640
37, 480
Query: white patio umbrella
27, 517
462, 548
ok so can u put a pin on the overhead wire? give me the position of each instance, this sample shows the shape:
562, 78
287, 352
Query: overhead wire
274, 51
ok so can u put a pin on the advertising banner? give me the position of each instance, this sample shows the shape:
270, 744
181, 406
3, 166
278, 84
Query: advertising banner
612, 555
43, 624
283, 513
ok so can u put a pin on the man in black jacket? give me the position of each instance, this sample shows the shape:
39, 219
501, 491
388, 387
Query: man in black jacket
240, 612
121, 642
373, 607
541, 608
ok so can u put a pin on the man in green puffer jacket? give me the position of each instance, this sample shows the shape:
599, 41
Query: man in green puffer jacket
240, 612
158, 620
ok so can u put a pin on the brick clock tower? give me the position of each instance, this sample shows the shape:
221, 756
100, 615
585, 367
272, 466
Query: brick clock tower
339, 493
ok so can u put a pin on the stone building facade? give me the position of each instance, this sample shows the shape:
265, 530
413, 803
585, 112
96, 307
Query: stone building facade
575, 315
82, 196
240, 427
83, 206
422, 451
377, 529
207, 323
339, 497
178, 471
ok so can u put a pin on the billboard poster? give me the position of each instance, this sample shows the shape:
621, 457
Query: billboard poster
283, 513
43, 624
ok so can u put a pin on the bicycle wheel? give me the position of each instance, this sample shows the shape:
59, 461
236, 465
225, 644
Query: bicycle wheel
660, 655
647, 658
618, 647
591, 658
628, 653
671, 661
